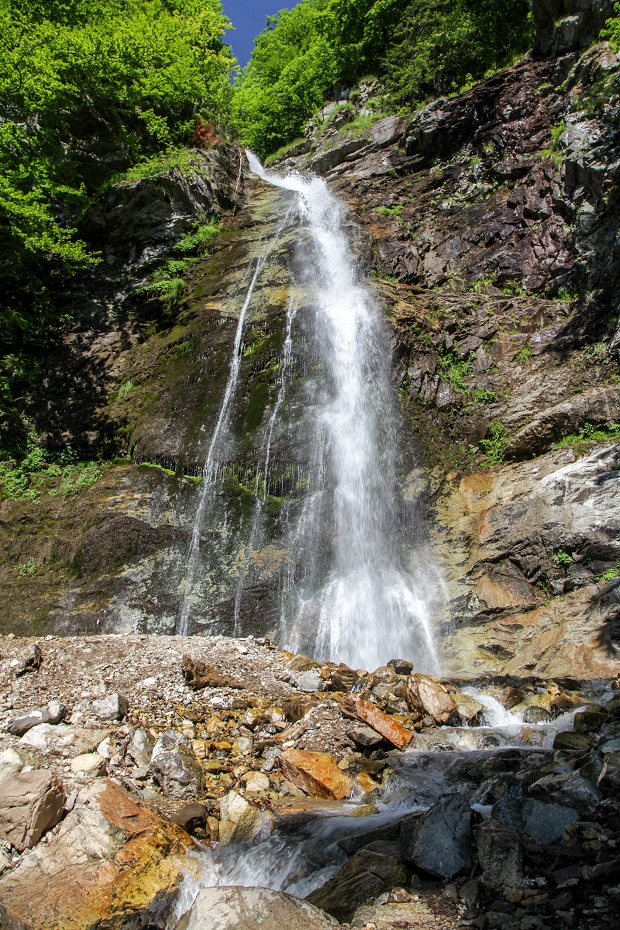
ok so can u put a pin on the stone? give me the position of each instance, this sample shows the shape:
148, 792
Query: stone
609, 779
111, 862
500, 854
256, 782
365, 875
175, 768
401, 666
302, 663
343, 678
364, 736
89, 764
199, 675
30, 804
428, 697
310, 681
240, 821
10, 764
111, 707
52, 713
316, 773
469, 709
29, 661
140, 747
543, 823
248, 908
578, 742
190, 818
571, 789
389, 728
440, 842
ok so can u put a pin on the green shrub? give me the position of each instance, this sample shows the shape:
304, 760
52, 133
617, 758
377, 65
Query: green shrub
562, 558
494, 444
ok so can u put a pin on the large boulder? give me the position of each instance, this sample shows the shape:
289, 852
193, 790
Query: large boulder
440, 843
175, 767
427, 697
112, 863
368, 713
248, 908
364, 876
500, 854
30, 803
316, 773
240, 821
542, 823
571, 789
52, 713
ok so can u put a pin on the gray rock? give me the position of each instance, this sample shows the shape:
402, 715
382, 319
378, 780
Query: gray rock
30, 803
310, 681
543, 823
29, 661
10, 764
52, 713
441, 841
175, 768
500, 854
364, 736
240, 821
111, 707
89, 764
249, 908
571, 789
141, 747
364, 876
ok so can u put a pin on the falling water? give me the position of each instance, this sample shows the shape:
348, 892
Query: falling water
210, 465
353, 596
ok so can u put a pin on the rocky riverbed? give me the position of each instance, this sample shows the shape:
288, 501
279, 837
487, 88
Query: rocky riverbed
134, 766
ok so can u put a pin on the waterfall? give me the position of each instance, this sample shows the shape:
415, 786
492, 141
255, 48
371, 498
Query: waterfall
354, 595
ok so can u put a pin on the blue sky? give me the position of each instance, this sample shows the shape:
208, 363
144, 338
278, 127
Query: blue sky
249, 17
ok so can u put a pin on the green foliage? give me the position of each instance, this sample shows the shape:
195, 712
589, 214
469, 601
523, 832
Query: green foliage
27, 568
582, 440
524, 354
482, 285
454, 370
611, 574
494, 444
562, 558
125, 389
390, 211
61, 474
612, 30
420, 47
199, 240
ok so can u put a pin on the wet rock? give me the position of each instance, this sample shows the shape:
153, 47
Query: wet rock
609, 779
111, 707
111, 863
247, 908
30, 803
191, 818
440, 843
571, 789
52, 713
89, 764
367, 712
572, 741
364, 736
240, 821
401, 666
469, 709
500, 854
316, 773
175, 767
543, 823
199, 675
364, 876
30, 661
343, 678
428, 697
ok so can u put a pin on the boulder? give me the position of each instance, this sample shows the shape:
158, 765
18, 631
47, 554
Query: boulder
364, 736
199, 675
500, 854
440, 843
29, 661
111, 707
30, 804
240, 821
427, 697
248, 908
140, 747
302, 663
175, 768
469, 709
112, 863
365, 875
89, 763
256, 782
401, 666
389, 728
609, 779
316, 773
542, 823
52, 713
343, 678
310, 681
571, 789
10, 764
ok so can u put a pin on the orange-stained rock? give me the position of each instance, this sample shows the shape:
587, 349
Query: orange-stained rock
427, 696
110, 859
316, 773
387, 726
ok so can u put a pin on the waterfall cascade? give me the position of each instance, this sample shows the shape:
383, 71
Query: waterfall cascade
352, 590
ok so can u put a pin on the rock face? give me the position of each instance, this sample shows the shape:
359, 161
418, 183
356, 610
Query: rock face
111, 861
316, 773
30, 803
247, 908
